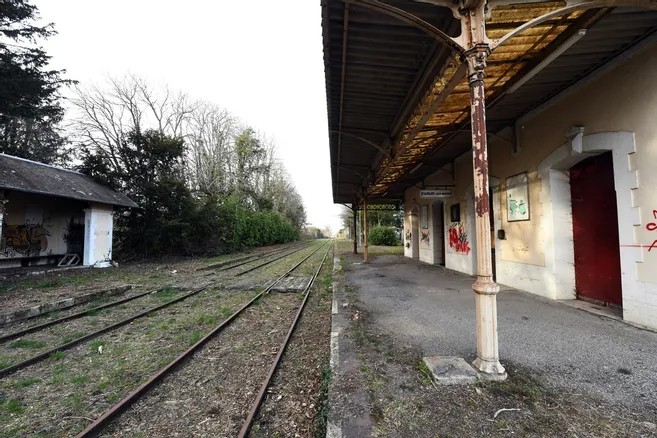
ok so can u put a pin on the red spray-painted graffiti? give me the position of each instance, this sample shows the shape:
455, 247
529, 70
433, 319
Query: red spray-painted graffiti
652, 226
458, 239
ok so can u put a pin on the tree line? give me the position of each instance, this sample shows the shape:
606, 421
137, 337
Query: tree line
205, 182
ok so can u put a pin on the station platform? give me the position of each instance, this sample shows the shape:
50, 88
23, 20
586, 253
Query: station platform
392, 311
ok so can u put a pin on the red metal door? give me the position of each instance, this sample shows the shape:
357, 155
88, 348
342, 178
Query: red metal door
595, 230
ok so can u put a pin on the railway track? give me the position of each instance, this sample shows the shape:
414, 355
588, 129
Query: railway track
12, 368
184, 359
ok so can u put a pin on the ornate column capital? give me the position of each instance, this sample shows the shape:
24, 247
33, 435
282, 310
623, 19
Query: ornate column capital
475, 58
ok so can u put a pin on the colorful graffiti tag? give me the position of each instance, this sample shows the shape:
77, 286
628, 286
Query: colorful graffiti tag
458, 239
27, 240
652, 226
426, 237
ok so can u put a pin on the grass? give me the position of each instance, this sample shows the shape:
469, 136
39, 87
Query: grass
24, 383
12, 406
194, 337
58, 355
27, 343
93, 345
48, 283
321, 420
72, 337
423, 369
79, 379
327, 281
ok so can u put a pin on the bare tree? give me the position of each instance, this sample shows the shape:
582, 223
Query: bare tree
107, 114
210, 136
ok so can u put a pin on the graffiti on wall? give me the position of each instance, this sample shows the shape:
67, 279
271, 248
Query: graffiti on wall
458, 239
27, 240
652, 226
426, 237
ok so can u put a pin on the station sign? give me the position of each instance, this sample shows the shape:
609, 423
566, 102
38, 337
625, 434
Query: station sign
437, 193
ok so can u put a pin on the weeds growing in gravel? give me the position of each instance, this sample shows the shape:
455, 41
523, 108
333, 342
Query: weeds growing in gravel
27, 343
57, 355
24, 383
322, 402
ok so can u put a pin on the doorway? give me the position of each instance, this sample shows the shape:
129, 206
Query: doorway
438, 231
595, 230
415, 236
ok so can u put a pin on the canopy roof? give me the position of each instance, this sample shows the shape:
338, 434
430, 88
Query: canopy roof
398, 96
18, 174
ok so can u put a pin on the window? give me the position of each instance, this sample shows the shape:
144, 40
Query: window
425, 216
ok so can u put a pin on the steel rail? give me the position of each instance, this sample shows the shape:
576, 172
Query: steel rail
36, 328
246, 427
39, 357
255, 257
247, 257
251, 260
96, 426
272, 261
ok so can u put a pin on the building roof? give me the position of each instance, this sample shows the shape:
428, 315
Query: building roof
29, 176
398, 100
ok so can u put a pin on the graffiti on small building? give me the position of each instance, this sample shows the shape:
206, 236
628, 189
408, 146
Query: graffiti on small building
27, 240
458, 239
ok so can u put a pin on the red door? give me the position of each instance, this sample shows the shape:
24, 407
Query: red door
595, 230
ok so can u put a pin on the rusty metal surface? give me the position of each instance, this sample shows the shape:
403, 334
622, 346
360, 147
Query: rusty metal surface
384, 59
94, 429
246, 426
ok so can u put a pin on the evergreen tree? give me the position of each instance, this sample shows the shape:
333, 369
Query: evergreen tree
30, 107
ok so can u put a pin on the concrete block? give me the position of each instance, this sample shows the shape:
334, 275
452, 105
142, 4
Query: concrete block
450, 370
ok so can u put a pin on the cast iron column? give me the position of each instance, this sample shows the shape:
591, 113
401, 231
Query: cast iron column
365, 230
486, 289
354, 208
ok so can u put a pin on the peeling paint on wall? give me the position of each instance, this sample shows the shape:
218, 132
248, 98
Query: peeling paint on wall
426, 237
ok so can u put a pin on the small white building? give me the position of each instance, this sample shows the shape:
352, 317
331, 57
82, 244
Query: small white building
48, 213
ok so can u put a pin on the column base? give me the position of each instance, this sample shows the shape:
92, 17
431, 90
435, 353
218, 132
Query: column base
491, 369
485, 286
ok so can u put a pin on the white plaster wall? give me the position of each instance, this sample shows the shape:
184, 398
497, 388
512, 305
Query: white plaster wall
531, 258
98, 235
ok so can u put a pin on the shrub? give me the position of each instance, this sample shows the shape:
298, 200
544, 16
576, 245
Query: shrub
384, 236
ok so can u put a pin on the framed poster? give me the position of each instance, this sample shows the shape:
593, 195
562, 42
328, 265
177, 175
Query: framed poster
425, 216
517, 198
455, 213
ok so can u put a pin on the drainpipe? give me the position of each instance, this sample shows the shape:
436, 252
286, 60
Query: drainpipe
485, 288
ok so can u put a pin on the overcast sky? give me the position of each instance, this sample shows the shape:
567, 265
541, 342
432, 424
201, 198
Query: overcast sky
261, 60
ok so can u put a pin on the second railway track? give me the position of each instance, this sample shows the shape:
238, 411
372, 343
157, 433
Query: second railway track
27, 351
158, 350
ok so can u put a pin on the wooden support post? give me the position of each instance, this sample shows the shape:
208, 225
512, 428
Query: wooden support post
485, 288
365, 231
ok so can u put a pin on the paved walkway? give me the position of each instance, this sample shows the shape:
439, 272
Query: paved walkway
433, 309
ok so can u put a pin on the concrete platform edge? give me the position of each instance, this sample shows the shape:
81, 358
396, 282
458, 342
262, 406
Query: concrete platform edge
348, 410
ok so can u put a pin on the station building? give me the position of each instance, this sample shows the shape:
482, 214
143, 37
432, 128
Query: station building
54, 216
520, 138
